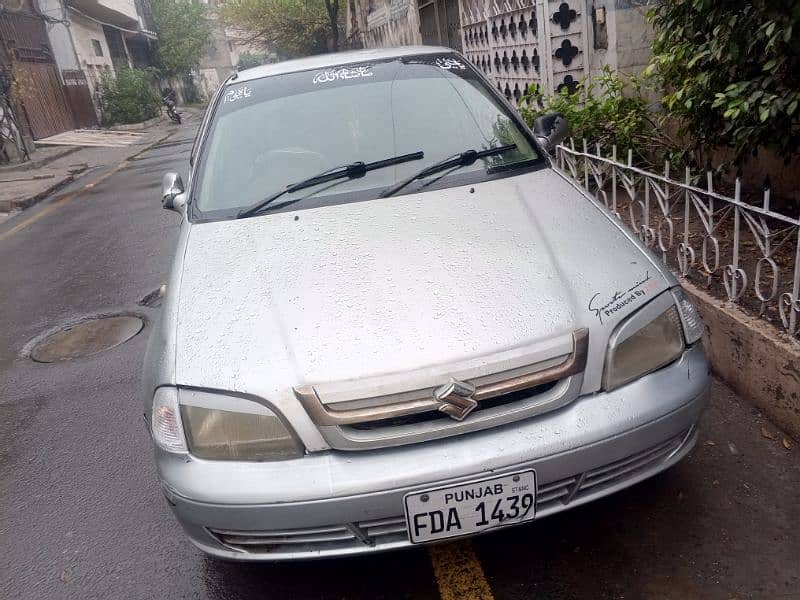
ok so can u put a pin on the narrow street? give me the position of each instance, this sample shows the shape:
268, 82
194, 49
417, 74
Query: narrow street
82, 516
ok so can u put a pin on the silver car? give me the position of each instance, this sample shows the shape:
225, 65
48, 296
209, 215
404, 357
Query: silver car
391, 321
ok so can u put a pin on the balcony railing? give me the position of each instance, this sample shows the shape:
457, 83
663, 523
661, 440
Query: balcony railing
740, 248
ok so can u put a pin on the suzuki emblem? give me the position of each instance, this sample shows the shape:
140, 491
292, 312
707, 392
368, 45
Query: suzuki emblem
456, 399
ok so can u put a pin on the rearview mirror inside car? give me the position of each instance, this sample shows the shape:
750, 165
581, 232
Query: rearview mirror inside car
550, 130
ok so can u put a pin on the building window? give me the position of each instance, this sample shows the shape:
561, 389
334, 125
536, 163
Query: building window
98, 49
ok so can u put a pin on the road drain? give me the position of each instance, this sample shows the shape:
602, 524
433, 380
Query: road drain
87, 337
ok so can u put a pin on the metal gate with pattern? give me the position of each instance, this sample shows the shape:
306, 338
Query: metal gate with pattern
37, 84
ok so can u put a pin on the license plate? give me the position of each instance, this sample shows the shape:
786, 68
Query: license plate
456, 510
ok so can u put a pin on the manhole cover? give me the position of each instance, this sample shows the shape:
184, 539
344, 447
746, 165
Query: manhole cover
87, 337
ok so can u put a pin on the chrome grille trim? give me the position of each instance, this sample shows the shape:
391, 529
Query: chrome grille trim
285, 532
381, 522
629, 466
423, 400
250, 540
387, 530
349, 438
391, 531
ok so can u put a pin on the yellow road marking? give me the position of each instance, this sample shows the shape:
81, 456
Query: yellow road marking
459, 572
60, 202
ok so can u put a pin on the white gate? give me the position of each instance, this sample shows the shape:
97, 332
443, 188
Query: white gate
740, 246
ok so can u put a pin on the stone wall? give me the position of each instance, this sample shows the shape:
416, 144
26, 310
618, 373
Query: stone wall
758, 363
633, 35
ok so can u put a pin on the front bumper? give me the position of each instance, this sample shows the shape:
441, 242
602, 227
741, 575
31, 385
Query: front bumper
342, 503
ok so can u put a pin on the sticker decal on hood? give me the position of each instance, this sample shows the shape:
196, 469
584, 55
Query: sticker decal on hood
620, 299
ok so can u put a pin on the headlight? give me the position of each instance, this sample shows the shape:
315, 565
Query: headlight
692, 323
242, 430
632, 355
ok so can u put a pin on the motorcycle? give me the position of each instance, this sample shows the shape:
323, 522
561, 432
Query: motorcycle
171, 102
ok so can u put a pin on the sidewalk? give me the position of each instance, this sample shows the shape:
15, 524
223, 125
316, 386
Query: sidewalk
54, 167
20, 190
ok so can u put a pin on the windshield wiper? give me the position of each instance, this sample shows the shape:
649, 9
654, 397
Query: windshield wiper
349, 171
458, 160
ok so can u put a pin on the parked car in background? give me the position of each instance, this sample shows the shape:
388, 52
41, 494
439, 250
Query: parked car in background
390, 321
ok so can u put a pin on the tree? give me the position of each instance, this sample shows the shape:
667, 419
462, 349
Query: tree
332, 7
731, 70
290, 28
183, 34
248, 60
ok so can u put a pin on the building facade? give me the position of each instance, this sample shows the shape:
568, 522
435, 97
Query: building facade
550, 45
57, 52
386, 23
217, 63
520, 45
107, 35
38, 100
222, 53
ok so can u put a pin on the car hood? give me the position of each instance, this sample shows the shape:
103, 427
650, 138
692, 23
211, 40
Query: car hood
401, 284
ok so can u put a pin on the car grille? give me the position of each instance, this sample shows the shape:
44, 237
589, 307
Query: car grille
550, 498
361, 420
311, 540
437, 415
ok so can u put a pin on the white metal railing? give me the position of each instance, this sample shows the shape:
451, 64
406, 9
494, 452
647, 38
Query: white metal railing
750, 249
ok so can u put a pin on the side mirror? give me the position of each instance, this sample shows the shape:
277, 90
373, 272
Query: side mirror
172, 192
550, 130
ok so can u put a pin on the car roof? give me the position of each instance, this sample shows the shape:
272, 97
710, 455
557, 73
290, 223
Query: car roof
320, 61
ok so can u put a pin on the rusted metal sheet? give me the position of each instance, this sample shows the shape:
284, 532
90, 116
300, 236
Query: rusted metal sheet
37, 85
79, 98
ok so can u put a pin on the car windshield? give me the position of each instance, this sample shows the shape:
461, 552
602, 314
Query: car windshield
271, 132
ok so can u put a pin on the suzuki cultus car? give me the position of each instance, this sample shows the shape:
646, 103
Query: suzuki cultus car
391, 321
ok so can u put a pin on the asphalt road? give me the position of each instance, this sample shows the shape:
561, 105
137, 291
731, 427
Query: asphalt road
81, 515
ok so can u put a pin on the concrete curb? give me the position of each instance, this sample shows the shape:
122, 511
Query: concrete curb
758, 362
135, 126
23, 203
186, 110
40, 162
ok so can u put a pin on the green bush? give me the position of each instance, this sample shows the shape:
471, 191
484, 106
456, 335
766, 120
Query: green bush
127, 98
609, 109
731, 70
